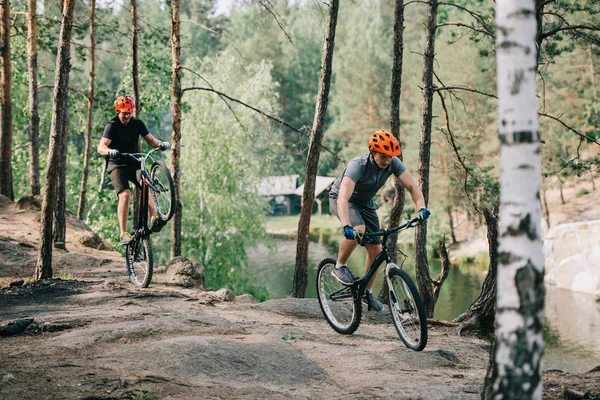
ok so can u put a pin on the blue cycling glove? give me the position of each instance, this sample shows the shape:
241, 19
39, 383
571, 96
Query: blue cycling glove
423, 214
350, 233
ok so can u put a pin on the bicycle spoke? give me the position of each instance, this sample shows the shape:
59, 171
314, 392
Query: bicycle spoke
407, 312
336, 300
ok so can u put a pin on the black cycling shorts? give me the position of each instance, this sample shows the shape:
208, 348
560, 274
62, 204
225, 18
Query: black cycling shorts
121, 177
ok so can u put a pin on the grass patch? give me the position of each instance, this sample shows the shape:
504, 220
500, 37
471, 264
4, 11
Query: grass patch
66, 276
582, 193
290, 223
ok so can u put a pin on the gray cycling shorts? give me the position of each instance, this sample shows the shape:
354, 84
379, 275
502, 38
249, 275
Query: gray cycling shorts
360, 215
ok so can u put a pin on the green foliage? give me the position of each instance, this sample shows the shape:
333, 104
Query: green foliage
582, 193
235, 147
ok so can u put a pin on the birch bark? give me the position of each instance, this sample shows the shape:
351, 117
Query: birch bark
519, 339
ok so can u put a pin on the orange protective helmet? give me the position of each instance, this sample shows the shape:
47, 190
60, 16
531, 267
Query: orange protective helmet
385, 143
124, 104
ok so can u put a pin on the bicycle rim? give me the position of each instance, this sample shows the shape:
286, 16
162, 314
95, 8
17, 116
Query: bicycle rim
407, 310
162, 190
139, 261
340, 305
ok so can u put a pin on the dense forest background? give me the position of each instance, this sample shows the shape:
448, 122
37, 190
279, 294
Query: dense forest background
267, 54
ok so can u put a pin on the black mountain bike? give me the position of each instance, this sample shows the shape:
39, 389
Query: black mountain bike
341, 304
157, 183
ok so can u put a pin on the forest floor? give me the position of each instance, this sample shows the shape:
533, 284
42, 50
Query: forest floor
95, 336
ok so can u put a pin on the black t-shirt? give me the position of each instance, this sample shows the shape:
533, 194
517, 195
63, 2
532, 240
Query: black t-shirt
125, 139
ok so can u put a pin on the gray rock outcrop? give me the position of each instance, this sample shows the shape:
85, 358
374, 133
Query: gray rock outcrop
185, 272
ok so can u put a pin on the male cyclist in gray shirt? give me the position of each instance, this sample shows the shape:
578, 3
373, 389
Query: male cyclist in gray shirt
351, 199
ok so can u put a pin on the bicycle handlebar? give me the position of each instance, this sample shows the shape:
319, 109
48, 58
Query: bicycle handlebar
140, 157
409, 224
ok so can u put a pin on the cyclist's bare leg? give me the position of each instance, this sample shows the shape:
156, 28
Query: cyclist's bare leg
372, 251
123, 209
152, 208
348, 246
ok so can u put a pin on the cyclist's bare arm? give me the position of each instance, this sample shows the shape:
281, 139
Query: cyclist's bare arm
346, 189
410, 185
103, 146
152, 141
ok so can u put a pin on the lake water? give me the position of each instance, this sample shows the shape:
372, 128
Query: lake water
572, 326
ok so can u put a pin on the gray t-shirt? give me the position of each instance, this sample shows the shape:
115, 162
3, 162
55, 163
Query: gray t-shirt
368, 179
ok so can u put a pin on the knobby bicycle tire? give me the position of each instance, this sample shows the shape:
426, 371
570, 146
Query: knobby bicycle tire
406, 307
339, 303
140, 264
164, 200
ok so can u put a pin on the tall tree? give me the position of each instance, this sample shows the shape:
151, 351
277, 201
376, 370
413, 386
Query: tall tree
60, 225
58, 131
396, 91
516, 364
34, 116
312, 160
421, 265
6, 181
135, 70
90, 114
176, 135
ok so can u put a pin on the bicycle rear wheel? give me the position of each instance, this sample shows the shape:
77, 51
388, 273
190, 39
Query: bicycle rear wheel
162, 190
407, 310
139, 261
339, 303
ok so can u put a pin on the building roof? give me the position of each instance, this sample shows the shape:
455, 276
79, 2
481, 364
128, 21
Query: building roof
322, 183
278, 185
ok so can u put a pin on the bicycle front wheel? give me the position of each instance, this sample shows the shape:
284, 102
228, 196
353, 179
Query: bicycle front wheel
407, 310
139, 261
339, 303
162, 190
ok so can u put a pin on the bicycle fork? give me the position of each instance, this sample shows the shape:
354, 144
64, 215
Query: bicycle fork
391, 292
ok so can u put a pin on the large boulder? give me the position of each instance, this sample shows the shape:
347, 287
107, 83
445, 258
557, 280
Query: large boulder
572, 255
30, 203
76, 260
5, 201
185, 272
92, 240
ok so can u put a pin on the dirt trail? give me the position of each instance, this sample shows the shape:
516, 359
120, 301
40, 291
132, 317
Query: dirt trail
95, 336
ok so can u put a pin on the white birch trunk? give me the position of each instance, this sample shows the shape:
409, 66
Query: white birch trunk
519, 339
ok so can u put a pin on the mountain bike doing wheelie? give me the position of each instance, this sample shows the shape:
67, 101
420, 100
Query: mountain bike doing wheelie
341, 304
157, 183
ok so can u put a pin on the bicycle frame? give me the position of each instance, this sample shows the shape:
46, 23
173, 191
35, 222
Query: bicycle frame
142, 226
361, 284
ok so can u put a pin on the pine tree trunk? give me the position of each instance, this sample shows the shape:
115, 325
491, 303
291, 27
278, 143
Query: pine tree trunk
90, 115
60, 113
451, 220
34, 116
137, 193
6, 181
545, 208
421, 265
519, 336
396, 92
312, 162
176, 135
479, 319
60, 226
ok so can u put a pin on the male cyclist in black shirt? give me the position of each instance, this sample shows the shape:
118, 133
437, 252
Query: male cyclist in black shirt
121, 136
